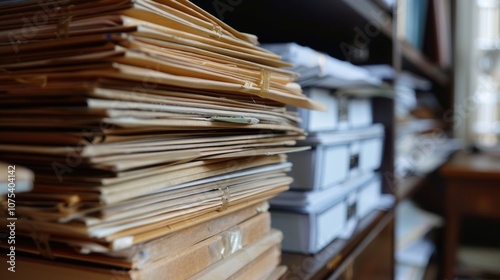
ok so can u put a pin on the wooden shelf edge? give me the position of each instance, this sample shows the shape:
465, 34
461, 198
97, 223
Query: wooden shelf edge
362, 245
421, 62
329, 259
372, 14
408, 186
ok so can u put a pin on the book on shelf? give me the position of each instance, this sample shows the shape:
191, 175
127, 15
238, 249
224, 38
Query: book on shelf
426, 26
438, 42
412, 17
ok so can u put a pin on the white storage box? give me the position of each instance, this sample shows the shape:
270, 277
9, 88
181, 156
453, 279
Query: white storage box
333, 73
311, 220
344, 112
336, 156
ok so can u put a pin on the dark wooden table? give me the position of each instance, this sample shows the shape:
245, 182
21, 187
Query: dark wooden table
472, 189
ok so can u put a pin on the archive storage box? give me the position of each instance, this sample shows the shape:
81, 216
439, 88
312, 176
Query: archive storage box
336, 156
313, 219
344, 111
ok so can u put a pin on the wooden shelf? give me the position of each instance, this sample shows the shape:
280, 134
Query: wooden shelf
329, 26
408, 186
374, 14
338, 253
325, 25
417, 59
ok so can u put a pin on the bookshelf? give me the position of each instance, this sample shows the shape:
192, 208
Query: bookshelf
364, 33
329, 26
413, 58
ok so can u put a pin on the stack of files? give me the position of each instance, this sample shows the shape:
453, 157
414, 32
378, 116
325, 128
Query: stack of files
345, 88
313, 219
421, 144
321, 70
413, 249
413, 223
142, 120
406, 86
420, 154
413, 260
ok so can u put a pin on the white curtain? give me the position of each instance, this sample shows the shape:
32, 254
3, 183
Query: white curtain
477, 79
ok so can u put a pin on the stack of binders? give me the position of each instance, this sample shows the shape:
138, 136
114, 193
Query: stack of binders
156, 134
335, 183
